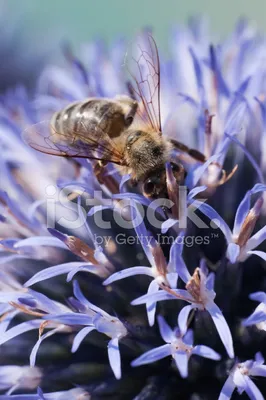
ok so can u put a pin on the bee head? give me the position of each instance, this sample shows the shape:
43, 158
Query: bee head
155, 185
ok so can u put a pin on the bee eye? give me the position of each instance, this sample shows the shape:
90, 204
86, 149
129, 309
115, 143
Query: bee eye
175, 167
149, 186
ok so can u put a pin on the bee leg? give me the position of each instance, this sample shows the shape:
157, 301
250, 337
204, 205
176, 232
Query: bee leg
133, 182
98, 170
197, 155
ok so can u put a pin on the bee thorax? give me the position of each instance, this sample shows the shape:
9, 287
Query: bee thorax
145, 154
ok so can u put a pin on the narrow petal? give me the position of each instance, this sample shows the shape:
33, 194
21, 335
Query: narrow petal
51, 272
214, 216
46, 304
244, 207
256, 239
128, 272
172, 278
151, 305
258, 370
195, 191
142, 232
245, 383
258, 253
152, 355
207, 352
183, 317
80, 336
114, 357
258, 296
165, 330
259, 358
94, 269
169, 223
163, 295
233, 251
189, 337
7, 320
222, 327
70, 318
176, 262
181, 360
80, 296
182, 270
259, 315
41, 241
35, 349
252, 390
20, 329
227, 389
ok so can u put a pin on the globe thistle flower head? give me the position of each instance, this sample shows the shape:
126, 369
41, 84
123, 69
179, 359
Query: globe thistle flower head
194, 259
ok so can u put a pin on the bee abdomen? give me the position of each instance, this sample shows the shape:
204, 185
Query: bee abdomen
75, 117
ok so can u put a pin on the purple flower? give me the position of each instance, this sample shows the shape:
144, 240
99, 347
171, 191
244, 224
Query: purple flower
62, 218
160, 271
179, 346
239, 378
240, 242
258, 317
199, 292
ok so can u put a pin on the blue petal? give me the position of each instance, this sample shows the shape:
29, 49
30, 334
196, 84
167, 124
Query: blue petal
169, 223
258, 296
41, 241
181, 360
70, 318
205, 351
256, 239
233, 251
152, 355
215, 217
244, 208
227, 389
94, 269
249, 156
183, 317
80, 336
133, 271
259, 315
163, 295
80, 296
51, 272
165, 330
35, 349
222, 327
20, 329
151, 305
114, 357
258, 253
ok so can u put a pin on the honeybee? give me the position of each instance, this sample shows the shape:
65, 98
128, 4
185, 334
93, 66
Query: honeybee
125, 131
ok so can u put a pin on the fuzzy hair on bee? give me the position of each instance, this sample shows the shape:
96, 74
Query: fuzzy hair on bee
125, 130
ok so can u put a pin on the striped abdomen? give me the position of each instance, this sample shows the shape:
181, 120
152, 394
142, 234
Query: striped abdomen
93, 114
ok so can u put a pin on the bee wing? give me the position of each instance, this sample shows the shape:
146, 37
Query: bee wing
89, 142
143, 64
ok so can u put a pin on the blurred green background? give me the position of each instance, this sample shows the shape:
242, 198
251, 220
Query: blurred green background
81, 20
33, 31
